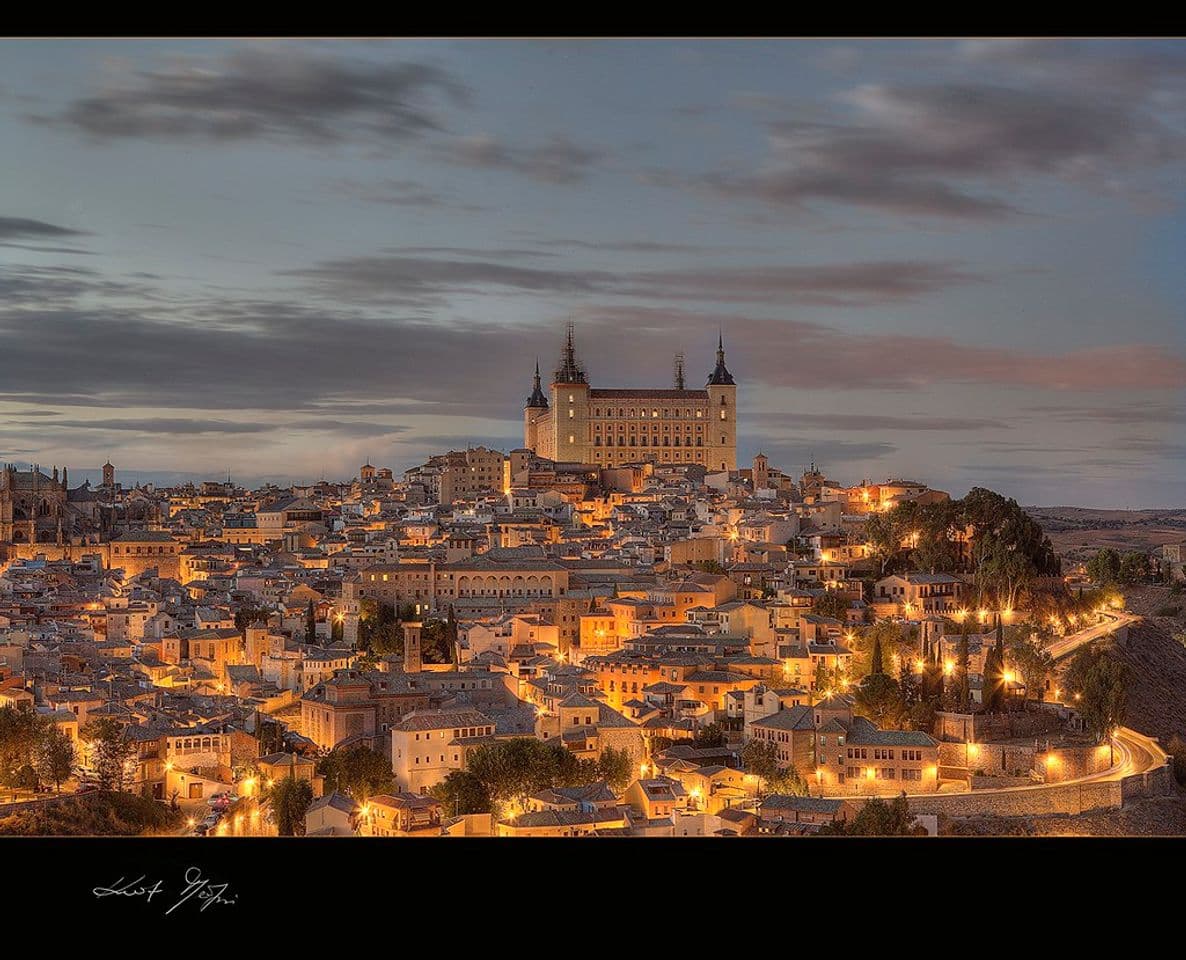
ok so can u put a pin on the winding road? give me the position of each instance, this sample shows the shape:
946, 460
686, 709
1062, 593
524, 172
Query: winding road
1072, 642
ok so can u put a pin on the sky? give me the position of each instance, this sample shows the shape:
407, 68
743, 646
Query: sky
962, 262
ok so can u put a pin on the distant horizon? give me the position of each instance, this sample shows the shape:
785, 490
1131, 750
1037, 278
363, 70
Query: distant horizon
166, 478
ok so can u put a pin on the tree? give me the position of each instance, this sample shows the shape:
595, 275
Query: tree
1100, 678
461, 793
435, 643
55, 759
1033, 663
616, 768
883, 533
710, 735
1177, 749
1135, 567
511, 770
710, 566
832, 604
290, 798
879, 698
358, 771
962, 665
880, 819
310, 624
21, 732
822, 681
876, 661
760, 758
1104, 567
110, 751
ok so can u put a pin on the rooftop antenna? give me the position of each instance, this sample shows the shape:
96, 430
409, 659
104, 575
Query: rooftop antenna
679, 371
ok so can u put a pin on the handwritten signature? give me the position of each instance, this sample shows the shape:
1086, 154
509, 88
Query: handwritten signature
197, 888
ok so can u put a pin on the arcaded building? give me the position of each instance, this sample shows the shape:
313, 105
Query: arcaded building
576, 422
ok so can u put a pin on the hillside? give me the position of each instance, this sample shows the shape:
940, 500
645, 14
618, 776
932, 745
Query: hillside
1078, 532
1157, 663
99, 814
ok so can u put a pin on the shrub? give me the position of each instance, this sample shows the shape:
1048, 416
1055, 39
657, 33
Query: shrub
92, 815
1177, 748
1172, 611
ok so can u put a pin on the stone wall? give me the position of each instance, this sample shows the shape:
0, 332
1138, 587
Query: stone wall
1070, 798
957, 760
1034, 721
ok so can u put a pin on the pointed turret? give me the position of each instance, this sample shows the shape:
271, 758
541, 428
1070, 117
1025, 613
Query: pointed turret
570, 371
721, 375
537, 399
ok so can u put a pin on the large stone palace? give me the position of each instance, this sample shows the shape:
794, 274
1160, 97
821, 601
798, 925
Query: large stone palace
576, 422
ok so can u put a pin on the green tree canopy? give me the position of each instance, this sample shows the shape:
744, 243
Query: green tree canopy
460, 793
290, 798
1100, 678
358, 771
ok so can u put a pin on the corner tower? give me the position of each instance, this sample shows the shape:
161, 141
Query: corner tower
721, 442
534, 414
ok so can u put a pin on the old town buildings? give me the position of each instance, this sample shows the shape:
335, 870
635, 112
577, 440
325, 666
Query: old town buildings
613, 589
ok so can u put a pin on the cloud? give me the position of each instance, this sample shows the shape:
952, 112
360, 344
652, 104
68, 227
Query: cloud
402, 193
182, 426
1121, 413
426, 280
795, 451
258, 93
946, 150
873, 421
163, 425
557, 161
806, 355
21, 228
318, 362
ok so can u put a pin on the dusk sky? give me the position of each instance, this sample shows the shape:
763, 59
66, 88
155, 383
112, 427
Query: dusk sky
959, 262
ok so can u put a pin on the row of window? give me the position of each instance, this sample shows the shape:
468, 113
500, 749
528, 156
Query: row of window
609, 441
667, 412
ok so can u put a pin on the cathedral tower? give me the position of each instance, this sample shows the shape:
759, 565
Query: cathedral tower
722, 410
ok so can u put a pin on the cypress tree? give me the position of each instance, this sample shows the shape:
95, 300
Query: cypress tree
965, 694
310, 624
876, 665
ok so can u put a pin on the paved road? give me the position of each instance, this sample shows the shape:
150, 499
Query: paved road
1072, 642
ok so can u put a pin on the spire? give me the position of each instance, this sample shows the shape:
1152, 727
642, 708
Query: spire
570, 371
537, 399
721, 375
679, 371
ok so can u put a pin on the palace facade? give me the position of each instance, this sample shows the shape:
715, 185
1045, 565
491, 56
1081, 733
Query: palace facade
576, 422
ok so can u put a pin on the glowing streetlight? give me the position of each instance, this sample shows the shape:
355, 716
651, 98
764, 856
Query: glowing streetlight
919, 665
948, 667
